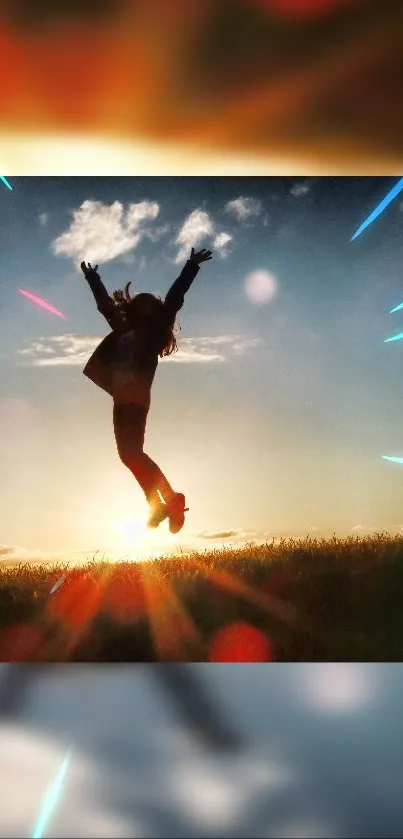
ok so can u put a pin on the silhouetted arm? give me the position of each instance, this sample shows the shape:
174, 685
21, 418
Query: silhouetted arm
176, 294
105, 304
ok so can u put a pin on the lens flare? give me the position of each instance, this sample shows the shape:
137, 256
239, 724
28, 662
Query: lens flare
394, 338
260, 287
392, 459
240, 641
380, 208
5, 181
58, 584
42, 303
396, 309
52, 798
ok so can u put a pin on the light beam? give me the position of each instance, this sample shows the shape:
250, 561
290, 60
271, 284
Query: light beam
42, 303
51, 798
396, 309
394, 338
380, 208
58, 584
5, 181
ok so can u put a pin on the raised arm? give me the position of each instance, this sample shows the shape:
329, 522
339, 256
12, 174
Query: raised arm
104, 302
176, 294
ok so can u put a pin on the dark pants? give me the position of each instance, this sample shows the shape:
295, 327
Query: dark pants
129, 422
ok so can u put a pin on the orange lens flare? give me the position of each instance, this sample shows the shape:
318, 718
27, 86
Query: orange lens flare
240, 642
21, 642
123, 599
77, 601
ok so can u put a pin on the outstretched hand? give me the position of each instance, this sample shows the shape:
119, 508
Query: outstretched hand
200, 256
88, 269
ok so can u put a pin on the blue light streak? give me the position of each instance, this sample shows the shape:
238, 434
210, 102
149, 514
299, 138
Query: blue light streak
380, 208
396, 309
52, 798
5, 181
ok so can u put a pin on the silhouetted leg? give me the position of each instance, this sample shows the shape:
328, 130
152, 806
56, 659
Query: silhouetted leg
15, 680
196, 704
130, 425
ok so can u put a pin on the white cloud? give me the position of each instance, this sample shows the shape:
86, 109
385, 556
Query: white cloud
216, 349
301, 188
221, 243
43, 219
244, 208
195, 229
75, 350
101, 232
68, 349
196, 351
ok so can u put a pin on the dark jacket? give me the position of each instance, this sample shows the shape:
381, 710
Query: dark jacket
100, 367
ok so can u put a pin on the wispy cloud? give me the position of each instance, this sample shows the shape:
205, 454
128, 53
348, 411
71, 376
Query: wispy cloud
16, 554
75, 350
43, 219
221, 242
220, 534
199, 228
101, 232
217, 349
195, 229
234, 537
301, 188
157, 233
244, 208
68, 349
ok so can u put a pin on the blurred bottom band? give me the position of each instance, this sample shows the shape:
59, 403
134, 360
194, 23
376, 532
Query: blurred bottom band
181, 683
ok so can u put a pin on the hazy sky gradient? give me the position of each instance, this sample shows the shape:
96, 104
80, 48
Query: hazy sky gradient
274, 416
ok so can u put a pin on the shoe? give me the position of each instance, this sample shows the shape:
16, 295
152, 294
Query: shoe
158, 513
176, 512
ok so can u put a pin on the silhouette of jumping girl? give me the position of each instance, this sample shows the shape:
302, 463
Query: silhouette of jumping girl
124, 365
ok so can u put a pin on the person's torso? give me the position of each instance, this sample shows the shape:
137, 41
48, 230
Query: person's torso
124, 365
133, 363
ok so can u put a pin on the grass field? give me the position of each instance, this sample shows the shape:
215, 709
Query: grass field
311, 600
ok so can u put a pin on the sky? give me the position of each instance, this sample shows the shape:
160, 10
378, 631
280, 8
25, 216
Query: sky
274, 415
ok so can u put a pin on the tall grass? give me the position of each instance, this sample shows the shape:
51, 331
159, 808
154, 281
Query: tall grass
314, 600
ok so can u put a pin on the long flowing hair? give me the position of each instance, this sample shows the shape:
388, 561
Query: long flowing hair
126, 307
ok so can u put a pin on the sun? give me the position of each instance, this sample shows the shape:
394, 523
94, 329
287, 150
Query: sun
132, 530
137, 541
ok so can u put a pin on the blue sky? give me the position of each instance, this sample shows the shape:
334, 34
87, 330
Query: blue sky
273, 417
